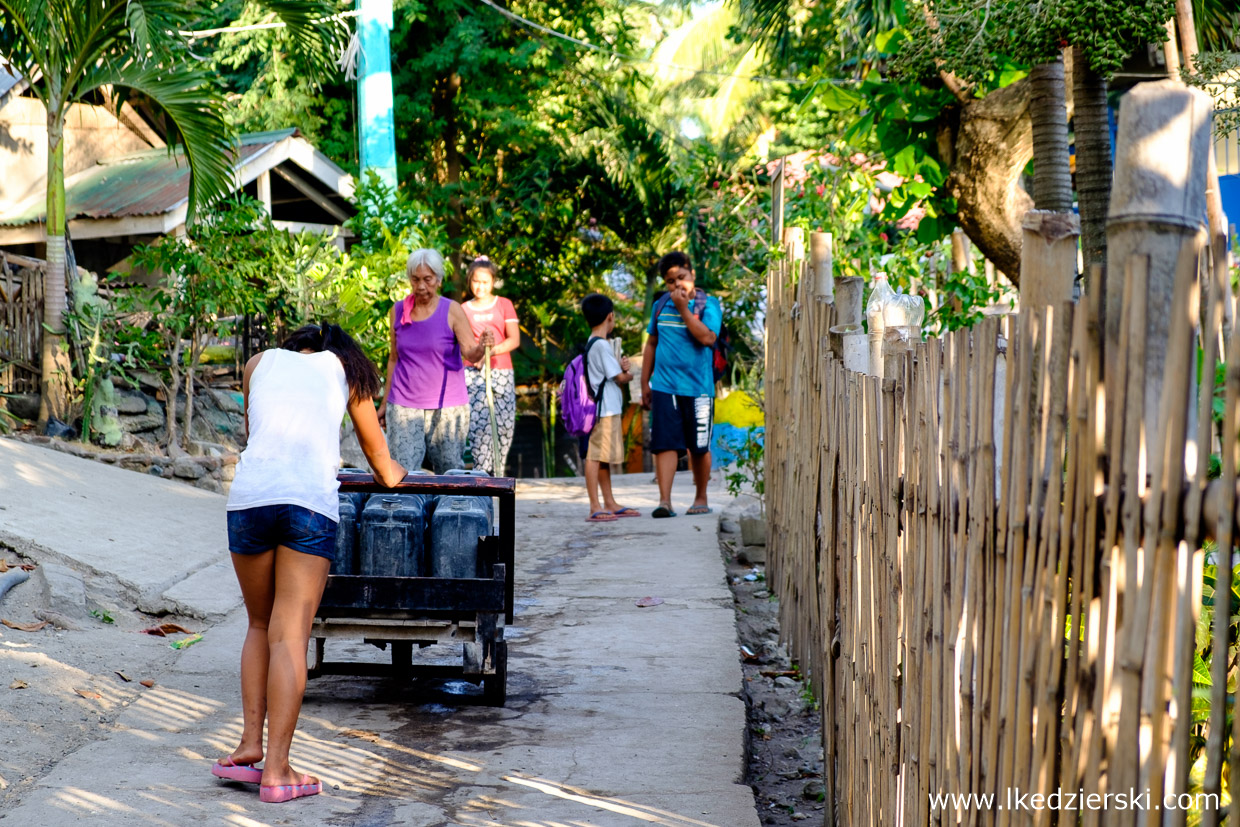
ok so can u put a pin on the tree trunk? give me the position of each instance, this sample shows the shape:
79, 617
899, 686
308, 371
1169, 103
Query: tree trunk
55, 368
1052, 177
1093, 162
187, 424
987, 153
170, 390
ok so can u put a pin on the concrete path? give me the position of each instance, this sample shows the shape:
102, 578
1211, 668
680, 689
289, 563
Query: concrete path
617, 715
164, 543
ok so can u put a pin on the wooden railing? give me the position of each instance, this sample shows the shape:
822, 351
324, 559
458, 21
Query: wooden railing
21, 323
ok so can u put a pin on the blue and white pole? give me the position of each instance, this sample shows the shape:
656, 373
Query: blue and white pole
376, 123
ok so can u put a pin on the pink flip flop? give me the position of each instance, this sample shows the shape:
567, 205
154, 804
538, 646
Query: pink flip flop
287, 792
229, 771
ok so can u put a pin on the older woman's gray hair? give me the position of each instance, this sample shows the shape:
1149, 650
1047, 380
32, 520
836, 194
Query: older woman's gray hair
425, 257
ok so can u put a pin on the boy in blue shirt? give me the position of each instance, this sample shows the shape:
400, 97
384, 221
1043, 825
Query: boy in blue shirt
678, 382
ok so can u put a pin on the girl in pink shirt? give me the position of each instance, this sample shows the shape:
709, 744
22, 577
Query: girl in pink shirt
490, 313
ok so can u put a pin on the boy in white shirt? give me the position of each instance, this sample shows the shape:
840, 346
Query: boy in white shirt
604, 373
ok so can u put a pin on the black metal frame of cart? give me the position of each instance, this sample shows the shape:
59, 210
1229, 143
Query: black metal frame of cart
402, 611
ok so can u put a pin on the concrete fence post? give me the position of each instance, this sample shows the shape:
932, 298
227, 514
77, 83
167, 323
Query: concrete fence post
1047, 258
821, 264
848, 294
1158, 202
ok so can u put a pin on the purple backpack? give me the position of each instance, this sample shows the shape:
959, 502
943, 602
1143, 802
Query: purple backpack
579, 403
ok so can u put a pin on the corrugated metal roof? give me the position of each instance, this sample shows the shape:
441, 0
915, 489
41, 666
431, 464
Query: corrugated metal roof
151, 182
9, 77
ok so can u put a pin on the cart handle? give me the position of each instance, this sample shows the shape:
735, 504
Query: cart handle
428, 484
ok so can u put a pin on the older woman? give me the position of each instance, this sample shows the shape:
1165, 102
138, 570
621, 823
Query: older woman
489, 312
425, 404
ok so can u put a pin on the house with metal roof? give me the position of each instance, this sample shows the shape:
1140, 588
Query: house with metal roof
132, 198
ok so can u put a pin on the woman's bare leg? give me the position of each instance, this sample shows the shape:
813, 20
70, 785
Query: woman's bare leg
255, 574
299, 582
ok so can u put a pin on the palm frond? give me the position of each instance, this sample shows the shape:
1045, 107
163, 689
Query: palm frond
27, 35
769, 22
700, 42
317, 38
1218, 25
187, 95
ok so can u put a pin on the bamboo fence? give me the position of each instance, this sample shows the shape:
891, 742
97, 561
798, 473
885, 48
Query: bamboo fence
990, 564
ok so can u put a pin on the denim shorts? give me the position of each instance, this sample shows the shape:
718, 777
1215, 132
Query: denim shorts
259, 529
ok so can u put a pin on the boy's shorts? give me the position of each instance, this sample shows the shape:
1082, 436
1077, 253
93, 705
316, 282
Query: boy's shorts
681, 423
607, 440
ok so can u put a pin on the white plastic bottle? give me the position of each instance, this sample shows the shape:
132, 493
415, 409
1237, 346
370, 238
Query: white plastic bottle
880, 295
904, 310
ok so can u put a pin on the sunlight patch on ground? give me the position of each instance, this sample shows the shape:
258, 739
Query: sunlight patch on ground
615, 805
170, 710
82, 801
446, 760
42, 476
350, 769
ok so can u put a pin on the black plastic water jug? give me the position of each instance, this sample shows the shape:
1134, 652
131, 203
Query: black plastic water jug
391, 541
456, 525
346, 536
483, 502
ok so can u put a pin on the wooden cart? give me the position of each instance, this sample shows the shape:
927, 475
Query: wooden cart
399, 612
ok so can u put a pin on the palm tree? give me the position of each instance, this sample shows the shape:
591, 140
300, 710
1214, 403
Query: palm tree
73, 50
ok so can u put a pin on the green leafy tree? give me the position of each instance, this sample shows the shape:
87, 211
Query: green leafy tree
975, 41
947, 81
118, 50
205, 277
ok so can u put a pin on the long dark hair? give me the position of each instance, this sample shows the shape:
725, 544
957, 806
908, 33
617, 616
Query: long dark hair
359, 372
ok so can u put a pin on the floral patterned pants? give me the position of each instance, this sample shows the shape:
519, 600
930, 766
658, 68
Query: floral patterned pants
413, 433
504, 389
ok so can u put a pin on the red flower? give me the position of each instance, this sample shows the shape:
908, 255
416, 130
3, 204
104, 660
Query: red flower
883, 236
820, 189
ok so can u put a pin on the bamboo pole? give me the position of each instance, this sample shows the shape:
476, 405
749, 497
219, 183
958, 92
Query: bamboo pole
1226, 541
1186, 620
1123, 713
1167, 596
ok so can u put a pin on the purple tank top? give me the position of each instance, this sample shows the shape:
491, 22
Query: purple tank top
429, 372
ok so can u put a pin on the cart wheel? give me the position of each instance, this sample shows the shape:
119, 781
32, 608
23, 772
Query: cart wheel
495, 687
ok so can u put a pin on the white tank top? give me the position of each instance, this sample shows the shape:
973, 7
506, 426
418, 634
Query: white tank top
296, 406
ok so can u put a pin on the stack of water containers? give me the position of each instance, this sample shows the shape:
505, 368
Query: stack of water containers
411, 535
